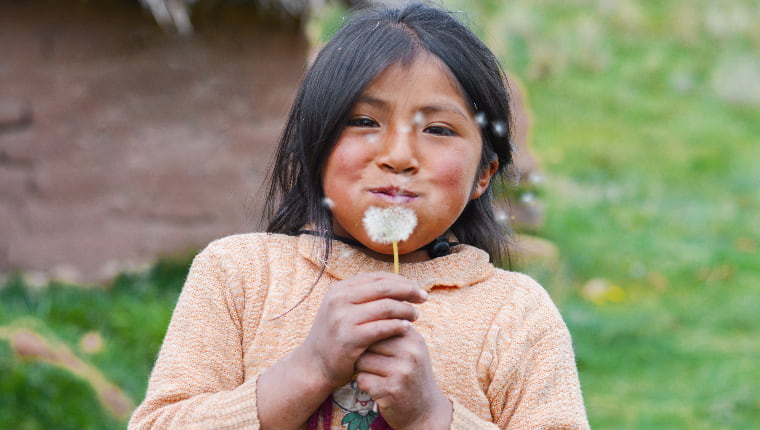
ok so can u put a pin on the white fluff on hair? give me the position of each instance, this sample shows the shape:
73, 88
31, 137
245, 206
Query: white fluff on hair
391, 224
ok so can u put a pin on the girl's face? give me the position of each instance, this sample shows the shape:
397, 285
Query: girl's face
410, 140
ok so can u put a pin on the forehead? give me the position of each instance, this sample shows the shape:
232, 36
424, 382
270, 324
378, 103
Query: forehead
425, 77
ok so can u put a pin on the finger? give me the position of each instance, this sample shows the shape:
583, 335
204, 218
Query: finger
375, 385
375, 331
376, 364
410, 342
384, 309
390, 347
379, 285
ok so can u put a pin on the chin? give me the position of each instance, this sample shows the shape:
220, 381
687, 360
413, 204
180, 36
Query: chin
381, 249
407, 248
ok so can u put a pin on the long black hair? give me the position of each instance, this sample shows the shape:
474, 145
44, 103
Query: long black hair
368, 43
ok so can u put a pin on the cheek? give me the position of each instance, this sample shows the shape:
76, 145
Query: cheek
456, 177
342, 165
347, 159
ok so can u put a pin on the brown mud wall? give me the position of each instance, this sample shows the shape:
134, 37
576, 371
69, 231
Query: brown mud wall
119, 142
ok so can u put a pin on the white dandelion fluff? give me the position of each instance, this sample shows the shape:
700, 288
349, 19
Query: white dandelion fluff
500, 128
501, 216
328, 203
418, 118
480, 118
391, 224
527, 197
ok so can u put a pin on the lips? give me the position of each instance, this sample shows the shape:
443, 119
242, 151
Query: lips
393, 195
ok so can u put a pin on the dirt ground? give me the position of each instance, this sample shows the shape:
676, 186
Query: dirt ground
119, 142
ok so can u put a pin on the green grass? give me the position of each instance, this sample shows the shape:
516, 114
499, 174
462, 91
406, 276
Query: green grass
652, 185
41, 396
651, 189
131, 314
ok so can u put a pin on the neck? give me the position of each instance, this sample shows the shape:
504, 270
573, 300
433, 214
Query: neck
412, 257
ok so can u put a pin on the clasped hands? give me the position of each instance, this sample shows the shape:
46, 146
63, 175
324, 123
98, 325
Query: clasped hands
363, 328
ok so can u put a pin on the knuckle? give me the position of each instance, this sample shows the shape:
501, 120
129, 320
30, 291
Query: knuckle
413, 312
412, 291
395, 386
361, 381
407, 369
387, 309
360, 363
379, 392
388, 328
383, 330
332, 299
335, 317
382, 289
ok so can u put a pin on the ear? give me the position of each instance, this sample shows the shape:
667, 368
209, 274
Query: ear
483, 179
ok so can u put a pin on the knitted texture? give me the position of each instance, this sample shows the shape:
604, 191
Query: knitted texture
498, 346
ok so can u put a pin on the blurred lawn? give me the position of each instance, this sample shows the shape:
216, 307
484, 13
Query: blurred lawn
647, 124
647, 120
131, 315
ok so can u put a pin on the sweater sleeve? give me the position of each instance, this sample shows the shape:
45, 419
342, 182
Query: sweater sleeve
198, 381
531, 367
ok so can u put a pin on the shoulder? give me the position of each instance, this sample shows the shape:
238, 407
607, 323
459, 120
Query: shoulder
248, 243
519, 285
526, 319
523, 302
238, 266
249, 246
243, 254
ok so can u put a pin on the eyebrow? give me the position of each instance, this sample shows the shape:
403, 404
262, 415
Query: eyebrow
444, 107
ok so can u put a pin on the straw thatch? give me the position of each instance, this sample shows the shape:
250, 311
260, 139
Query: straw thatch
174, 15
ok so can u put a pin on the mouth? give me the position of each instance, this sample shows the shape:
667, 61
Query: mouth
393, 195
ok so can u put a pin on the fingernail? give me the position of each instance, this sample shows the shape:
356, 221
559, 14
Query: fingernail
425, 295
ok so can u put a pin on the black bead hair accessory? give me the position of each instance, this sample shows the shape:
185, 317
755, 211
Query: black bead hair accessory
440, 247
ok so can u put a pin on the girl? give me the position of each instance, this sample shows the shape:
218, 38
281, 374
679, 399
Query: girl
306, 326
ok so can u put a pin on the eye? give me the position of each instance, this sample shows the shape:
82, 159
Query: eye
362, 122
440, 130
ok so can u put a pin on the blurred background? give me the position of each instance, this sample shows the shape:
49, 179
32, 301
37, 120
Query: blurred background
132, 133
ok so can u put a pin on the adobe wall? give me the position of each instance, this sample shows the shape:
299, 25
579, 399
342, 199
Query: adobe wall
119, 143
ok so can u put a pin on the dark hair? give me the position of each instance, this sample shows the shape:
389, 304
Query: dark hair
368, 43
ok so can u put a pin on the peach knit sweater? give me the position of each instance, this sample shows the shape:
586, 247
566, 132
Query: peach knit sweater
499, 348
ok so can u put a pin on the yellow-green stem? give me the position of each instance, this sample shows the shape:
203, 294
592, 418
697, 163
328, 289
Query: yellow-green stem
395, 257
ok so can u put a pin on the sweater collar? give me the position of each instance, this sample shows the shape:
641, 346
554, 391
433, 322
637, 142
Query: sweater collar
465, 265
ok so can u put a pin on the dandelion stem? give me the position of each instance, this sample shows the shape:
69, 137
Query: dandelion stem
395, 257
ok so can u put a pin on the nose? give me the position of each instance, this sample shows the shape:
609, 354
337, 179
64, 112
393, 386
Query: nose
397, 152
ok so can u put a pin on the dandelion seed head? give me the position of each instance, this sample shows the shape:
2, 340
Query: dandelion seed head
391, 224
405, 128
345, 254
527, 197
418, 118
328, 203
372, 137
536, 178
500, 128
501, 216
481, 119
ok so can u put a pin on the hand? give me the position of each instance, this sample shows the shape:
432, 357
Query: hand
397, 373
355, 314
